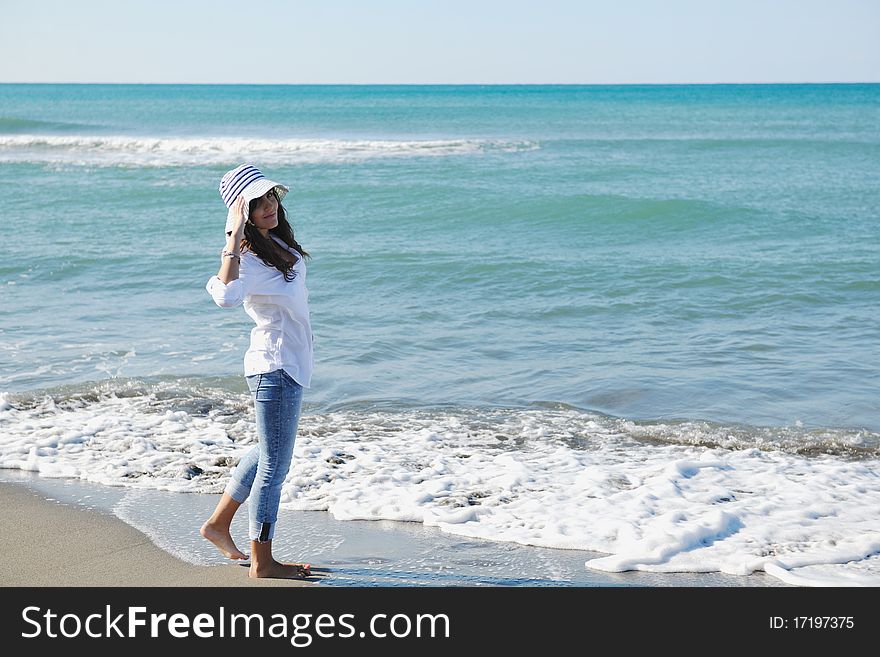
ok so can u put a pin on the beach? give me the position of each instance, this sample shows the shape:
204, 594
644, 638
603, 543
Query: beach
69, 517
48, 543
565, 335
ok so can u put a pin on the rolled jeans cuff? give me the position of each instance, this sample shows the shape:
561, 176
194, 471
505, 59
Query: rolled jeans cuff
262, 532
236, 491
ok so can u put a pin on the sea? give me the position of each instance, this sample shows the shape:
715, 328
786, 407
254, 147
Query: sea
635, 322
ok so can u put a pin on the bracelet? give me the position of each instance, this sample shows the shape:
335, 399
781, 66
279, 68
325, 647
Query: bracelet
231, 254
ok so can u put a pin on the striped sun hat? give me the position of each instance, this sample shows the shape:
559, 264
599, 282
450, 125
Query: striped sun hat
249, 181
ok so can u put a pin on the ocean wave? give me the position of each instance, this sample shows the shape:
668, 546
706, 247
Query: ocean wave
124, 151
14, 125
659, 497
218, 397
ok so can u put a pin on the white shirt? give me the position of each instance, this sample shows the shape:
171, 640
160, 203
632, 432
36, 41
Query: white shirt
282, 338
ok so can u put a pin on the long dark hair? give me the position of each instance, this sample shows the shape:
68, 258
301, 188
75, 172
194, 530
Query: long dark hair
264, 247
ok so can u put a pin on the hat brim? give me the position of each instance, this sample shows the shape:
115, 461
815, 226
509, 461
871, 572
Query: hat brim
255, 190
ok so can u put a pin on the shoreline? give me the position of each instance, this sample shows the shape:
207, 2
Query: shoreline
49, 543
150, 539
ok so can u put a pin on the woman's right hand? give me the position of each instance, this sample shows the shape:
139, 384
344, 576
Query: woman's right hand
239, 210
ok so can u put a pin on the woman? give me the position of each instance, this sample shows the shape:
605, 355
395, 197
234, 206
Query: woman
262, 268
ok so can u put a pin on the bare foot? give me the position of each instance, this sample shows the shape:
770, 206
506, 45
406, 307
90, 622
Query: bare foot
281, 570
220, 537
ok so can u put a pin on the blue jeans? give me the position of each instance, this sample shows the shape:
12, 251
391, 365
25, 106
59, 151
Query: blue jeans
277, 404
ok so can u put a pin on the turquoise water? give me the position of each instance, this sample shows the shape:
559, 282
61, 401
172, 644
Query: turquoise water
638, 322
649, 253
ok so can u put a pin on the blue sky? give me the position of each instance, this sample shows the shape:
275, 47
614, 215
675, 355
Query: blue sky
438, 42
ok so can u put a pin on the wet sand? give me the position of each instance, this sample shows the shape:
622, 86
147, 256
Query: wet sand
48, 543
153, 534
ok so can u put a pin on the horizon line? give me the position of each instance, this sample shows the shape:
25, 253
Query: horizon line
448, 84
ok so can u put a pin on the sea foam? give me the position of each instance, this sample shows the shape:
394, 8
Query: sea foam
130, 151
559, 478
